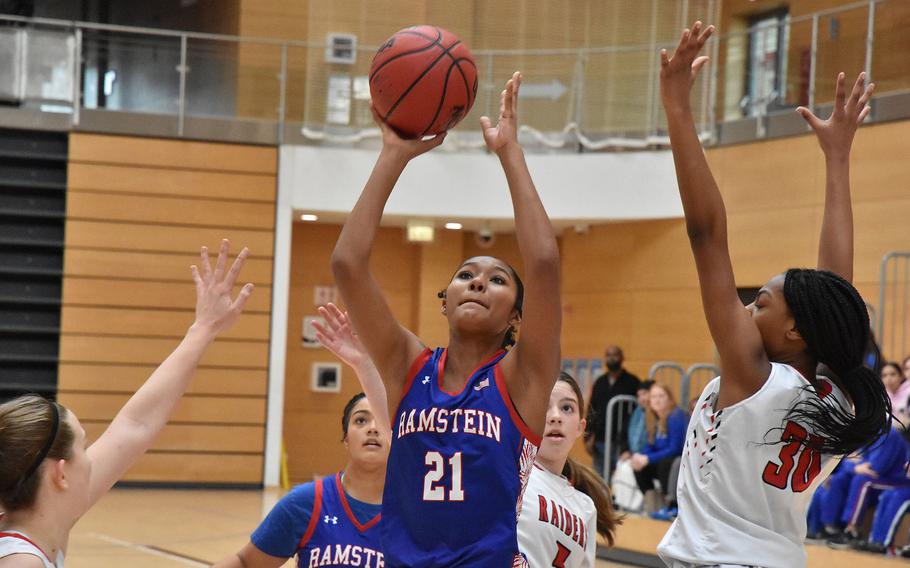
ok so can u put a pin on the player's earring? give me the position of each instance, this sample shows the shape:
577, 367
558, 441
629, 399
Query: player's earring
442, 296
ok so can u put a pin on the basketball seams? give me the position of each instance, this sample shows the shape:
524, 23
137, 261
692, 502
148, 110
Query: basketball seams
426, 85
435, 42
468, 90
418, 79
442, 100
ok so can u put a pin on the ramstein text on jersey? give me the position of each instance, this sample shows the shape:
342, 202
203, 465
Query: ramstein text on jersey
456, 420
345, 555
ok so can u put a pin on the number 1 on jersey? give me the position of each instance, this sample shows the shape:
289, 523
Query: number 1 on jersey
436, 463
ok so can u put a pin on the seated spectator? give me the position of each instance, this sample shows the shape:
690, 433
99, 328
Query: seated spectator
892, 506
898, 388
626, 494
665, 445
857, 485
638, 423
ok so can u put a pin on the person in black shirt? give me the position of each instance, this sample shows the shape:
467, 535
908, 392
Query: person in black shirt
614, 382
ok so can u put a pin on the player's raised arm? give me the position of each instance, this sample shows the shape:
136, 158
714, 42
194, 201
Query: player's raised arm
145, 414
338, 337
835, 136
392, 347
743, 358
532, 368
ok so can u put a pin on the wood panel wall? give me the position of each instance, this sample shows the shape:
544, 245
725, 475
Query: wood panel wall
138, 210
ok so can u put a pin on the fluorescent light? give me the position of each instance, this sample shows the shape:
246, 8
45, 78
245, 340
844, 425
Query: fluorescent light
309, 217
454, 226
420, 232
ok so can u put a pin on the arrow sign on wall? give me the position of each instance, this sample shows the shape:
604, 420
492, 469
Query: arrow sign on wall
552, 90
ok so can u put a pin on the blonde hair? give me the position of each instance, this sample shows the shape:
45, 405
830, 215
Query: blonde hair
27, 436
655, 424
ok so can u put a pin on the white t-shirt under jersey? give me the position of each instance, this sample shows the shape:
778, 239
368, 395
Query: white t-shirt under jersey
558, 523
742, 492
15, 542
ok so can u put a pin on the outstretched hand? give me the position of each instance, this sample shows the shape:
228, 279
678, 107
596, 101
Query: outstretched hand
835, 135
404, 148
214, 308
677, 73
505, 132
338, 337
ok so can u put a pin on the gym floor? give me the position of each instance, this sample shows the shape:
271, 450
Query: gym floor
156, 528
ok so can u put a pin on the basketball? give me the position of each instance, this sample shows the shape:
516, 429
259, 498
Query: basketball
423, 81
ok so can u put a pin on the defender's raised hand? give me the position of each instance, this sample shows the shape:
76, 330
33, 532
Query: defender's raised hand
338, 337
835, 135
506, 130
214, 308
677, 73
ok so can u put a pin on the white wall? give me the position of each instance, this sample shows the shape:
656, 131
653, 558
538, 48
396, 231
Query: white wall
573, 187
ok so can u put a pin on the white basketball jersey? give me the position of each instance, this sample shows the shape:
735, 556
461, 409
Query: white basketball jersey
558, 523
15, 542
744, 482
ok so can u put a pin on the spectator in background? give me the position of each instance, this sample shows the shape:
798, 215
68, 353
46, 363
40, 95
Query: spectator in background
665, 444
906, 365
637, 437
892, 506
898, 389
615, 381
857, 485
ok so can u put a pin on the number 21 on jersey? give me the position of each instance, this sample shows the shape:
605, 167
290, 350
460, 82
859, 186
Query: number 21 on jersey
808, 463
432, 489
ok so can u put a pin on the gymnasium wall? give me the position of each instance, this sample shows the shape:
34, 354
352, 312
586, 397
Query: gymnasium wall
631, 283
138, 210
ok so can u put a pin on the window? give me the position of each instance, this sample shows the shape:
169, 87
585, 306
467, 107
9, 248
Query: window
766, 72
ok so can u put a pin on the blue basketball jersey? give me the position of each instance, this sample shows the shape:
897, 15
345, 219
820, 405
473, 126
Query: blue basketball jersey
334, 536
457, 470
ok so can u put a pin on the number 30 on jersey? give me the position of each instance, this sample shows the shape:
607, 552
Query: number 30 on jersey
808, 463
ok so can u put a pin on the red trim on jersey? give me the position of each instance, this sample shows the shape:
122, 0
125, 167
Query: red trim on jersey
823, 387
28, 540
442, 364
347, 507
418, 364
519, 422
314, 516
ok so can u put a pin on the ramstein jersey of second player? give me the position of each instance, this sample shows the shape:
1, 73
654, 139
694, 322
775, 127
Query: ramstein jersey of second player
457, 468
745, 481
334, 537
558, 523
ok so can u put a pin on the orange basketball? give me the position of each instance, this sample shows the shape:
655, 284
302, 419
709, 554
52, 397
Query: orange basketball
423, 81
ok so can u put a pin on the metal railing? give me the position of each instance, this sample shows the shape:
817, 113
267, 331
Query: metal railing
703, 373
187, 84
894, 305
628, 404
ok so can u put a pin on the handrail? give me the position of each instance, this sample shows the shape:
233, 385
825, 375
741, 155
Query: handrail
608, 432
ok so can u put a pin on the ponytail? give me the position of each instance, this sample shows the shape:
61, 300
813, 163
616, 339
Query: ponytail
585, 480
831, 317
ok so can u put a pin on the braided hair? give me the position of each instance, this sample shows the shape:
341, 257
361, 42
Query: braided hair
831, 317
